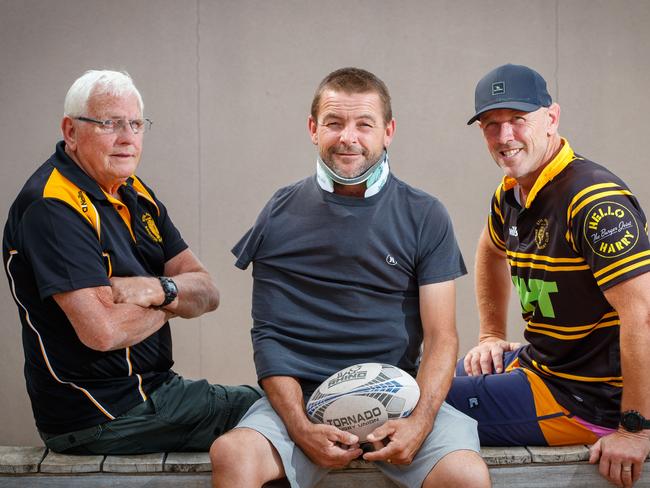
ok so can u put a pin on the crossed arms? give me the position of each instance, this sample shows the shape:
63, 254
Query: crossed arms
123, 314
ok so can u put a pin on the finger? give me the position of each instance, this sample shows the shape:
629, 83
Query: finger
337, 435
497, 359
626, 475
514, 346
383, 454
486, 362
614, 474
467, 364
637, 469
381, 433
603, 468
476, 364
594, 452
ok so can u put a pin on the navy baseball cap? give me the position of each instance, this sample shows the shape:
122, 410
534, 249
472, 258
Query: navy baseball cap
510, 86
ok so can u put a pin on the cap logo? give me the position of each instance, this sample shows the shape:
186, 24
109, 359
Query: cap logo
499, 88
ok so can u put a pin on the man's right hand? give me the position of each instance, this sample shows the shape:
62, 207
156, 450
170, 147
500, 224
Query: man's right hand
326, 445
487, 357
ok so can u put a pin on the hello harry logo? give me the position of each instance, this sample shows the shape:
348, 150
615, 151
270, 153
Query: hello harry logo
610, 229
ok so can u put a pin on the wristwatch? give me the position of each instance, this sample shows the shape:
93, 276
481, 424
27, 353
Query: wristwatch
633, 421
169, 288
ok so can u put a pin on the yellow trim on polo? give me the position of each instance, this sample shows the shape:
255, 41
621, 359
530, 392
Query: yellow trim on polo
61, 188
143, 192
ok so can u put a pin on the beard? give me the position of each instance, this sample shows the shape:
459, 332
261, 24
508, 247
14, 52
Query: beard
348, 170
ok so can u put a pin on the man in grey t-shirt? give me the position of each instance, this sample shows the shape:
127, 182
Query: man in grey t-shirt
351, 265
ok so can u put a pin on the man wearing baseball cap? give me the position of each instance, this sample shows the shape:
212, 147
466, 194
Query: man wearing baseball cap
573, 239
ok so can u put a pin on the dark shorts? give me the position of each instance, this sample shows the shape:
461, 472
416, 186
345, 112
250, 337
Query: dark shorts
180, 415
516, 408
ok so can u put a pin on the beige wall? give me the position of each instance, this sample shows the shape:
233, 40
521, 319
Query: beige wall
229, 83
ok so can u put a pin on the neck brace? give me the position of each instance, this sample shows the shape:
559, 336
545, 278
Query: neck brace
374, 177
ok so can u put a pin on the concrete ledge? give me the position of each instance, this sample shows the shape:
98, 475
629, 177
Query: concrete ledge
512, 467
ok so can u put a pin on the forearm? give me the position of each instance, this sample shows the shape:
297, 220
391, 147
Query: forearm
634, 346
104, 325
435, 375
492, 284
197, 294
285, 395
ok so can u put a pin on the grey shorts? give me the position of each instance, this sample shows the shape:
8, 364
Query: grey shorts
180, 415
452, 431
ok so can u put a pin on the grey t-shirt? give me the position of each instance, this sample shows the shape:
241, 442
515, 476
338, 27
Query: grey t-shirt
336, 278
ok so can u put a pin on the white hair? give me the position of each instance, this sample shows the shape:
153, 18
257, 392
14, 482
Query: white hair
94, 82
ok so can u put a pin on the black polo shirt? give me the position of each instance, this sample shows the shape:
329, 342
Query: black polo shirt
580, 232
64, 233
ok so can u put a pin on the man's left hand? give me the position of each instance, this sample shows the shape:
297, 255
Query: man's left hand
398, 441
621, 455
144, 291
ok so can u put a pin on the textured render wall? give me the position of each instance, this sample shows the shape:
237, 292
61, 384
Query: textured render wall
228, 85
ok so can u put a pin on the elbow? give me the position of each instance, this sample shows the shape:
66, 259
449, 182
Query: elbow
101, 339
213, 302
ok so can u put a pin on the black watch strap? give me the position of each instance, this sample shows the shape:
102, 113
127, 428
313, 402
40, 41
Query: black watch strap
633, 421
169, 288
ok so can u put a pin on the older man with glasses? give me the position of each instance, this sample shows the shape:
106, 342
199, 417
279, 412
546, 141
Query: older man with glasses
97, 269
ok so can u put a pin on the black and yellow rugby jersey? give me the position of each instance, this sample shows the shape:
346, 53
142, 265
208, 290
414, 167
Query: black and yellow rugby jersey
580, 233
64, 233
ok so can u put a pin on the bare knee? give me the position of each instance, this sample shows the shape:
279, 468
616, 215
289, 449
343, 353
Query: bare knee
459, 469
244, 458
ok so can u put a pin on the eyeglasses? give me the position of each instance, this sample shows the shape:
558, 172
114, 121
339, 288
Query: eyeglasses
111, 126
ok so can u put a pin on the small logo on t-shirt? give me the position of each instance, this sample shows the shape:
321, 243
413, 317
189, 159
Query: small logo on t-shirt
513, 231
391, 260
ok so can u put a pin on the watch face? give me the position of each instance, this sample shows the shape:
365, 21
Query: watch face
632, 421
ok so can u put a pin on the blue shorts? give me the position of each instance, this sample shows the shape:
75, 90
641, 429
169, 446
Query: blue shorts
452, 431
516, 408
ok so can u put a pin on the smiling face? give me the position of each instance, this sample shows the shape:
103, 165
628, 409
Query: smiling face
108, 158
350, 131
522, 143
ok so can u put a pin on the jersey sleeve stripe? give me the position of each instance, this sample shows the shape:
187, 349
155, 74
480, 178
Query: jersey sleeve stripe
494, 237
631, 267
598, 196
582, 193
621, 262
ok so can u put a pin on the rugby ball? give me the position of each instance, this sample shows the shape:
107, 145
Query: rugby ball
360, 398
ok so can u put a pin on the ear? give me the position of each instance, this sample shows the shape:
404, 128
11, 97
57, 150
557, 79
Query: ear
389, 133
69, 131
312, 126
553, 119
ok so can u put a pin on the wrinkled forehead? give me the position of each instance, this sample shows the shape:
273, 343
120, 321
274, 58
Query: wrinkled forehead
356, 104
